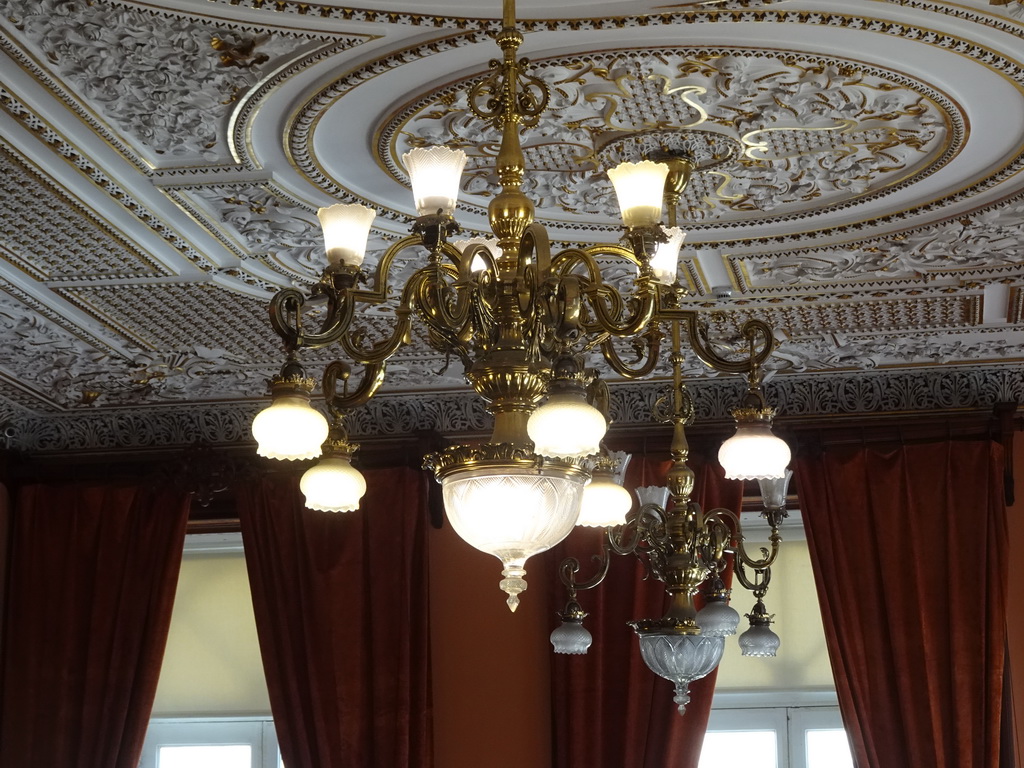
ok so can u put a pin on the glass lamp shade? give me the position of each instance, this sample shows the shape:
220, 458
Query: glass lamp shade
774, 490
571, 637
754, 453
681, 659
434, 173
605, 503
665, 262
653, 494
346, 228
639, 188
290, 429
566, 426
759, 640
512, 513
718, 619
479, 264
333, 485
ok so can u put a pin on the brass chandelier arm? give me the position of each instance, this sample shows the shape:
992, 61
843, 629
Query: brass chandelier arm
286, 319
759, 583
569, 567
370, 382
767, 556
758, 334
649, 350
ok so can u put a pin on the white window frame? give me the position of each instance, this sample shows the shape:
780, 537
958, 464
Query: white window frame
789, 713
256, 732
804, 719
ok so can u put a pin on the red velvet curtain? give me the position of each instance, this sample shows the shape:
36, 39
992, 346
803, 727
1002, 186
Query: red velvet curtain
93, 572
341, 605
909, 550
608, 709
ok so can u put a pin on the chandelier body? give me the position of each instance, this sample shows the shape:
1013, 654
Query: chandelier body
520, 318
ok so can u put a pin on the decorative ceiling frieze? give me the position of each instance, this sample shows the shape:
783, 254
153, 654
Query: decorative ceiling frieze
166, 81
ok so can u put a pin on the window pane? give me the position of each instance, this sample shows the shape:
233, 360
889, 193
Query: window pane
828, 748
751, 749
206, 756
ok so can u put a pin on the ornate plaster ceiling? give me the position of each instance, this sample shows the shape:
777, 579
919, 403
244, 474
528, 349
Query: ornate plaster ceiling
859, 185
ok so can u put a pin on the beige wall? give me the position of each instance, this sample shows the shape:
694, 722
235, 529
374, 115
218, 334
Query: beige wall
802, 662
486, 661
212, 664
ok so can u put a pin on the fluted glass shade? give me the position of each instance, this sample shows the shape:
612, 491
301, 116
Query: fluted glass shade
718, 619
639, 188
512, 513
346, 228
434, 173
754, 453
566, 426
653, 494
681, 659
759, 640
605, 503
290, 429
774, 490
333, 485
665, 262
571, 637
479, 264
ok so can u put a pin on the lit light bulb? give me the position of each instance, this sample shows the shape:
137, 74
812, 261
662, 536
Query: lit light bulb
434, 173
346, 228
333, 485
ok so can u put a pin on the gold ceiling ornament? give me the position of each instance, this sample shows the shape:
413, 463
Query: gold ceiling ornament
524, 322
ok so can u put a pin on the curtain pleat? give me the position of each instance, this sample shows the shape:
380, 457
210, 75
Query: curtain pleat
608, 709
92, 578
341, 606
909, 549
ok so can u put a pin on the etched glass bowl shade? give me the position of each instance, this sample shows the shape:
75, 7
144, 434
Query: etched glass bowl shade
571, 637
718, 619
759, 640
333, 485
290, 429
512, 513
681, 659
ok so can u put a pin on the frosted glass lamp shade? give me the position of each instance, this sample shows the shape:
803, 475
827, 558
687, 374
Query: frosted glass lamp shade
681, 659
512, 513
639, 188
333, 485
754, 453
434, 173
289, 429
665, 262
718, 619
346, 228
759, 640
479, 264
571, 637
605, 503
566, 426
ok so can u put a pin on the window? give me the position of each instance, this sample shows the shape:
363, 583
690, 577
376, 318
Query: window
210, 743
776, 737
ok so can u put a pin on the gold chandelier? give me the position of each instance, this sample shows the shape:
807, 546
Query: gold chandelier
525, 322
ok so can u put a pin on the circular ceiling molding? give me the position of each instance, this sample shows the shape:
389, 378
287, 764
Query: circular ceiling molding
775, 134
827, 145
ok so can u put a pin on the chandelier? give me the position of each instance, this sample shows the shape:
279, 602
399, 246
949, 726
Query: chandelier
527, 325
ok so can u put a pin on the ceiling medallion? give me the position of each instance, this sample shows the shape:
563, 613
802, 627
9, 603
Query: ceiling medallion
776, 134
